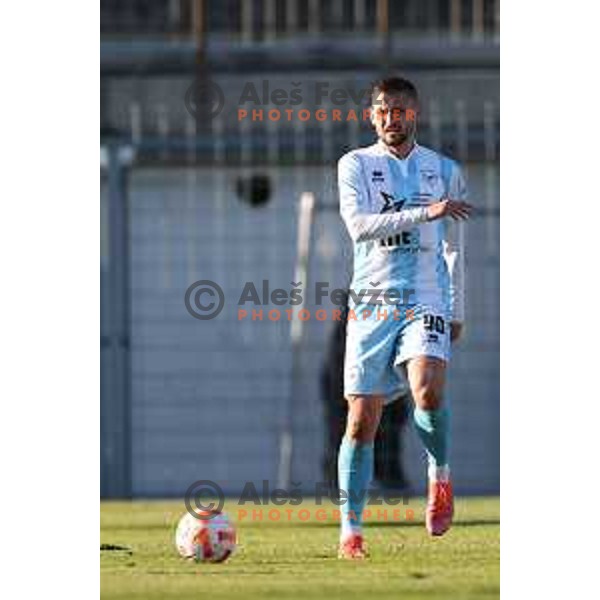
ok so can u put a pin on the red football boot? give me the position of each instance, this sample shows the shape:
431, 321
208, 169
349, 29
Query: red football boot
440, 507
353, 547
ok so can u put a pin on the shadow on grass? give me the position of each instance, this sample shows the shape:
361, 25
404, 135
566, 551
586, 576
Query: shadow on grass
403, 523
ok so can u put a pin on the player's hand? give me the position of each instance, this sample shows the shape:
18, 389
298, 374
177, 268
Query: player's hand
456, 209
456, 328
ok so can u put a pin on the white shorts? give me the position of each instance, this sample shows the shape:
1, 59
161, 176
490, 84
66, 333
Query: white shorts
376, 346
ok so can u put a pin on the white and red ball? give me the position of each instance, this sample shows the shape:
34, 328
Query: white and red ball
207, 537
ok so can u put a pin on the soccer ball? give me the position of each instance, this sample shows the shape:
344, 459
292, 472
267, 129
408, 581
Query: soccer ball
207, 536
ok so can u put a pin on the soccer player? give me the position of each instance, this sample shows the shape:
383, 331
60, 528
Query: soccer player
403, 205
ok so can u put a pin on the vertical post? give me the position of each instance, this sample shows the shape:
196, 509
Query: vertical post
270, 20
219, 141
162, 121
433, 17
174, 17
455, 19
326, 133
247, 21
197, 20
382, 17
191, 175
201, 75
462, 129
338, 14
135, 119
496, 20
435, 124
383, 32
116, 456
300, 140
489, 130
477, 30
286, 444
190, 138
354, 128
359, 15
245, 128
272, 142
291, 16
314, 22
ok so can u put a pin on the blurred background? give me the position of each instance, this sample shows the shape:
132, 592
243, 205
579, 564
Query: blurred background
189, 192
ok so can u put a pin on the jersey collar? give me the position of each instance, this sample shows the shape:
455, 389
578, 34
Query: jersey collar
383, 147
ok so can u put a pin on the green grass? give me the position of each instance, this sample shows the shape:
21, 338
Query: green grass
295, 559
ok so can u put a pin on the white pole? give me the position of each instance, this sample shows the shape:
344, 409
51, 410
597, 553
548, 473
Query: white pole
286, 445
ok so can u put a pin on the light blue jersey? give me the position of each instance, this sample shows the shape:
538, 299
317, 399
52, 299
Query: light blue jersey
413, 269
382, 200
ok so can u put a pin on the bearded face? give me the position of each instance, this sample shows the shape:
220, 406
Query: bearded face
394, 117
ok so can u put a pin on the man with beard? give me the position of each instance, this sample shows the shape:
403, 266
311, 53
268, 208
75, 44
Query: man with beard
403, 205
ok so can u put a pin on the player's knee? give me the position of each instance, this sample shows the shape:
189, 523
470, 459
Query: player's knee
363, 420
359, 430
427, 397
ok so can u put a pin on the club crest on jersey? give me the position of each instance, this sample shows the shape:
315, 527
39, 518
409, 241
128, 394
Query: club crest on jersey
431, 184
377, 176
391, 204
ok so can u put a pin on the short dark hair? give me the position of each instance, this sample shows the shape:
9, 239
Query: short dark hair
394, 85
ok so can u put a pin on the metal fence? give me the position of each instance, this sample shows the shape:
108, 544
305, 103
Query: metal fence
185, 399
265, 20
459, 116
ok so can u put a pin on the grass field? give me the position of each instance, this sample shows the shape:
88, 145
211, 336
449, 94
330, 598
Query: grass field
297, 559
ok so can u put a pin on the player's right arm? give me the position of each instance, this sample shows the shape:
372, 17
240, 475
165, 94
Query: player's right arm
364, 225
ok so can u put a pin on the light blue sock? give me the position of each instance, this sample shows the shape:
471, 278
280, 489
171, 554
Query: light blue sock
355, 471
433, 429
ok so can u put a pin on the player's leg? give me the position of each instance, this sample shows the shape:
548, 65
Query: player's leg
368, 383
424, 349
355, 467
427, 377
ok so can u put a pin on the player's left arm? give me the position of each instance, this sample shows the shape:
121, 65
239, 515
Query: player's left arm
454, 255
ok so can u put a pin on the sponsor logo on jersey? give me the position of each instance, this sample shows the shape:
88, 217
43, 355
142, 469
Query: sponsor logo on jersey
377, 177
391, 204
